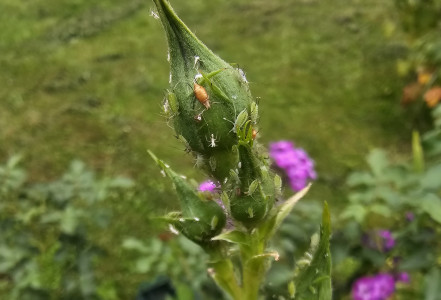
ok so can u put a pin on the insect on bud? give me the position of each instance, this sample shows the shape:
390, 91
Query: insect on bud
201, 218
208, 94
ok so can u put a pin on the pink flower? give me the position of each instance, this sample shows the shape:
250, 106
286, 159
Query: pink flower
207, 186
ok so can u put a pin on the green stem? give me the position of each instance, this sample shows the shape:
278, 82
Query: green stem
223, 271
254, 268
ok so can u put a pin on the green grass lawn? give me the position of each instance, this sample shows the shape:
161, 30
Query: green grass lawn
85, 79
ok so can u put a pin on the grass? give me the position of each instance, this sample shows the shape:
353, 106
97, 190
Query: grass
85, 79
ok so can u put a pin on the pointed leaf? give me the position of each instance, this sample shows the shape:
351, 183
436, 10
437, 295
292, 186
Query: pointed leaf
314, 282
234, 236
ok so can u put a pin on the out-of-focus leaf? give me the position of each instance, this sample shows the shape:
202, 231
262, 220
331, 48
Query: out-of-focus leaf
360, 178
135, 244
381, 210
377, 160
431, 204
432, 282
314, 282
418, 260
354, 211
432, 178
70, 220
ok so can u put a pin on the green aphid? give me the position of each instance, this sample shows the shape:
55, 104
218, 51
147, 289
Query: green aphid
234, 176
252, 188
173, 102
278, 185
250, 212
212, 163
254, 112
240, 121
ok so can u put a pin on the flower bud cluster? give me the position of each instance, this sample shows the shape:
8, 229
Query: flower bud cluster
210, 106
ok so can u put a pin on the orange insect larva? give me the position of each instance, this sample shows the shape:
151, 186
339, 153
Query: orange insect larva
254, 134
201, 94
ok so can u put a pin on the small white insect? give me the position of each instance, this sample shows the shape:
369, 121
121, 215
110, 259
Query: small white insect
173, 229
196, 219
234, 97
239, 165
212, 141
197, 76
196, 61
154, 14
166, 106
163, 173
242, 73
170, 79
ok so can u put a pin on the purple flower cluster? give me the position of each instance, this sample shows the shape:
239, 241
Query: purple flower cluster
380, 239
298, 166
377, 287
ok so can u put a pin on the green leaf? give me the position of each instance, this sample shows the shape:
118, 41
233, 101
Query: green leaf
431, 204
377, 161
431, 178
432, 289
314, 281
360, 178
354, 211
234, 236
381, 210
270, 227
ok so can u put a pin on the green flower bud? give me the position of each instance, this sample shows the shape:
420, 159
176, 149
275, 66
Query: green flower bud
201, 218
253, 187
211, 100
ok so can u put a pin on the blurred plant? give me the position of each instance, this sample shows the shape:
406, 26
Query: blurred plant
378, 287
294, 162
406, 199
421, 22
45, 249
211, 109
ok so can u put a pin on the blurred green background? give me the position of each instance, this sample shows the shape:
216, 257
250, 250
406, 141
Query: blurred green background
84, 80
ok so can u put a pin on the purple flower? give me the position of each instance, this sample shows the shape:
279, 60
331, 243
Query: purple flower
298, 166
378, 287
403, 277
381, 240
388, 242
410, 216
207, 186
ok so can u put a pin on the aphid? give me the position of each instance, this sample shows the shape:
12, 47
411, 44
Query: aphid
172, 102
212, 141
154, 14
252, 188
254, 134
166, 106
184, 141
199, 161
212, 163
242, 74
198, 117
196, 61
254, 112
201, 94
